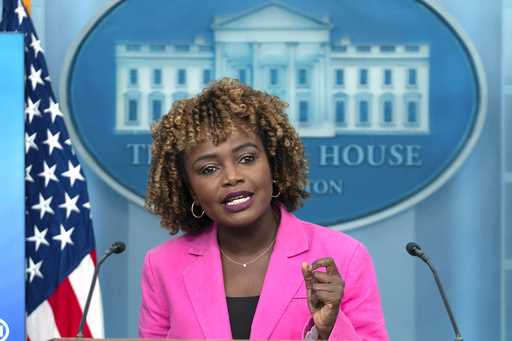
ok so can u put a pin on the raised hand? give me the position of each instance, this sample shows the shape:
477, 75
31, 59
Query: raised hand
324, 290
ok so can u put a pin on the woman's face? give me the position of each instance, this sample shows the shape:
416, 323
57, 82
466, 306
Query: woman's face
232, 182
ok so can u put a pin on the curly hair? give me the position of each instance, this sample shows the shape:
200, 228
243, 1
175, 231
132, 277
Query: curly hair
224, 106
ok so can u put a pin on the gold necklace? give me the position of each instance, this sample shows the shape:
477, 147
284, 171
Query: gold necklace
252, 260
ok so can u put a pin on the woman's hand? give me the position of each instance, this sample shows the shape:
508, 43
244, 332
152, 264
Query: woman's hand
324, 290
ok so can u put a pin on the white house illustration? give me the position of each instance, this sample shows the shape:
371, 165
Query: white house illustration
332, 88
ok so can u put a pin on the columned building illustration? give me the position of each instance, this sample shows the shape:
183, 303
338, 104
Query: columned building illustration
332, 87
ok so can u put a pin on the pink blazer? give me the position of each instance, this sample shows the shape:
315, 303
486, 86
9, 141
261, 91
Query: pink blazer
183, 288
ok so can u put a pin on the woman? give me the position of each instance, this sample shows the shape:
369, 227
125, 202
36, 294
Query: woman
227, 169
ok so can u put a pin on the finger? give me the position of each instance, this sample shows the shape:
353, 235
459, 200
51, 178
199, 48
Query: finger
308, 274
323, 277
326, 287
328, 298
314, 302
328, 263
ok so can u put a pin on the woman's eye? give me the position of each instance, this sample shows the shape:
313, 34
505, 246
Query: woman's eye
247, 158
207, 170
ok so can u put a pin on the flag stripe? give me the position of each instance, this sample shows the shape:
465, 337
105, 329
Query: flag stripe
41, 324
66, 310
81, 289
93, 256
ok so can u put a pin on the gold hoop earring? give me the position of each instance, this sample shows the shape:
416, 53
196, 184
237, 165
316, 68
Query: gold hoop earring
197, 216
274, 182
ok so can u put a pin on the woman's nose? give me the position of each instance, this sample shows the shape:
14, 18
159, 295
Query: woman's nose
232, 175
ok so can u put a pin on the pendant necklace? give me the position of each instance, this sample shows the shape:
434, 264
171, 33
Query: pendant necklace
252, 260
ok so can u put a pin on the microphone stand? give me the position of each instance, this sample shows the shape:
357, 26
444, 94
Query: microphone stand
415, 250
458, 337
117, 247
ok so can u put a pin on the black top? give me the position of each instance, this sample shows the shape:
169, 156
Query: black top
241, 312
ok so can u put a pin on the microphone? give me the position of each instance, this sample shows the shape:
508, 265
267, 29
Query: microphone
415, 250
117, 247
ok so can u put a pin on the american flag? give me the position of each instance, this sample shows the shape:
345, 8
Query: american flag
60, 251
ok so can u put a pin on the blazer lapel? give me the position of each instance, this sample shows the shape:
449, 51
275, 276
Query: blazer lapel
204, 283
283, 277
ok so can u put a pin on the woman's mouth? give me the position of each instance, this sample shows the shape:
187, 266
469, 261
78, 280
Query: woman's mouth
238, 202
